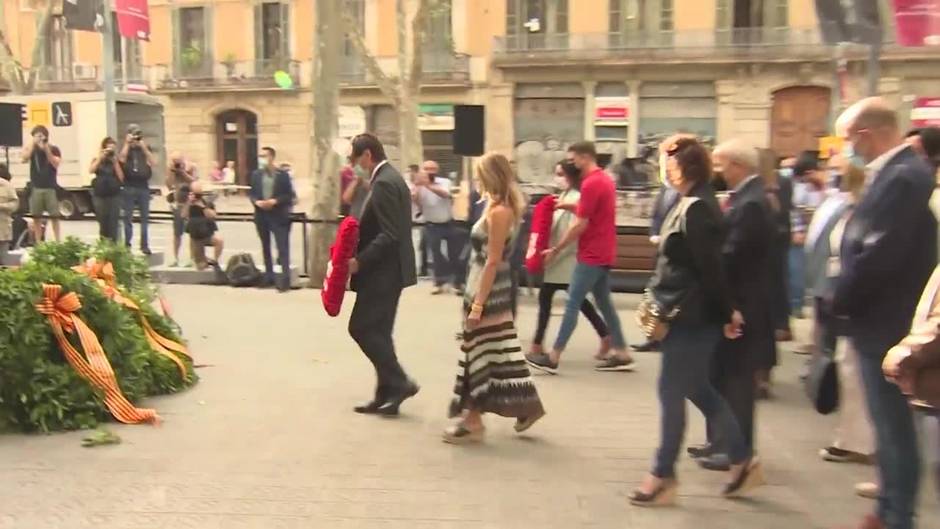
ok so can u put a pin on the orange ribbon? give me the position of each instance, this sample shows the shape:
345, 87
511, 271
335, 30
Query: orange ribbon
94, 367
103, 273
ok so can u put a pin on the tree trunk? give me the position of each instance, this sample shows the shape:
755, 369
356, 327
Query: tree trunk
412, 149
327, 42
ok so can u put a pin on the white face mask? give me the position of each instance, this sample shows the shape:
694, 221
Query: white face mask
263, 163
561, 183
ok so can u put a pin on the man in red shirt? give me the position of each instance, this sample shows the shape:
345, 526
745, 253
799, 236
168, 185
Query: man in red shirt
595, 230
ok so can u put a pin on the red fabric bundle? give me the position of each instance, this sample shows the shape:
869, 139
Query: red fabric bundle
540, 234
337, 273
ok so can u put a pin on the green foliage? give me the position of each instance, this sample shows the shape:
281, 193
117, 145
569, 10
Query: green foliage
39, 390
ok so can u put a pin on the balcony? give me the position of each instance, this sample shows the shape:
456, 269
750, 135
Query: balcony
229, 75
709, 46
445, 67
352, 72
70, 78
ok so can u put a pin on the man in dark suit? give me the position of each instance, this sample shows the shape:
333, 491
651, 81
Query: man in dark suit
384, 265
747, 255
889, 249
272, 194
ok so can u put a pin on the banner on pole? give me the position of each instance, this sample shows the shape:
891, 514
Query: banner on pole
84, 15
917, 22
133, 19
926, 112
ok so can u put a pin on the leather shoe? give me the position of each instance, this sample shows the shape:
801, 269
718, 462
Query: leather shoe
700, 451
390, 408
646, 347
716, 462
368, 408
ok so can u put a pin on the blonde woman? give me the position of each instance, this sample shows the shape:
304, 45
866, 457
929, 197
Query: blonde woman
492, 376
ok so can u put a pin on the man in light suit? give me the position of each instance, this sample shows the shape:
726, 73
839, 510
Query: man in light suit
747, 254
384, 265
889, 249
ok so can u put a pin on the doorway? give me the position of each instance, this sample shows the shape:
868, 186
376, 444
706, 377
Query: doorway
799, 117
237, 133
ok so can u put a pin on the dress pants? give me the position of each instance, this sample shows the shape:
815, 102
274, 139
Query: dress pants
898, 456
108, 214
854, 432
371, 325
268, 224
445, 265
732, 374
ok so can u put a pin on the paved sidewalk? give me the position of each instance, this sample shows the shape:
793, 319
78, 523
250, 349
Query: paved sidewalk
267, 440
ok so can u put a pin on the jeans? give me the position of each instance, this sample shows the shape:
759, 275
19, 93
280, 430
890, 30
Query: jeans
267, 224
686, 353
898, 459
445, 266
108, 215
546, 293
796, 266
596, 280
137, 197
930, 421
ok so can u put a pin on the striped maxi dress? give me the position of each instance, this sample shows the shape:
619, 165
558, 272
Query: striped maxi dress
492, 374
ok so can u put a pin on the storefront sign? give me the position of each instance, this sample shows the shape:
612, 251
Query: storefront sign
926, 112
133, 19
918, 22
612, 111
352, 121
435, 117
829, 146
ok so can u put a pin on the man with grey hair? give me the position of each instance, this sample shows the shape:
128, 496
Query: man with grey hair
747, 258
889, 250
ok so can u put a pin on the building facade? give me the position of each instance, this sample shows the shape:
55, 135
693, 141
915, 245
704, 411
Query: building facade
235, 75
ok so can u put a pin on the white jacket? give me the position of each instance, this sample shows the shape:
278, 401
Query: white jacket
8, 205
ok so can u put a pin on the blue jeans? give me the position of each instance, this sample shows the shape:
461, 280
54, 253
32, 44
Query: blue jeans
136, 197
797, 278
445, 266
930, 422
268, 225
686, 353
898, 459
596, 280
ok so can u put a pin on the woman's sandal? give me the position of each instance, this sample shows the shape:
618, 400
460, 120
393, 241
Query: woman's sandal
524, 423
458, 434
665, 494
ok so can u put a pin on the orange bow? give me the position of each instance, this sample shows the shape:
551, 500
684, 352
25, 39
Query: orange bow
93, 366
103, 273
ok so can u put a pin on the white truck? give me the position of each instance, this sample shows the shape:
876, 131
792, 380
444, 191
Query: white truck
77, 124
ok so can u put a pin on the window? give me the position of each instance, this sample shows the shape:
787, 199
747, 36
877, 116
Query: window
358, 9
193, 56
779, 13
126, 57
666, 15
441, 31
272, 35
723, 14
536, 23
57, 51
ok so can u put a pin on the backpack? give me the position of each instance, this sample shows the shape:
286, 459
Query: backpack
242, 272
136, 169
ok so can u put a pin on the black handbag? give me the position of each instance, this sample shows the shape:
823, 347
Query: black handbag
822, 384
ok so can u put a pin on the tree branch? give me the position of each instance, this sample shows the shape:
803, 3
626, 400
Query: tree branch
419, 36
386, 84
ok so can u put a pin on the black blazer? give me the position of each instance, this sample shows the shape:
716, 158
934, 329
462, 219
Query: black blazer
747, 253
283, 193
386, 254
889, 249
689, 270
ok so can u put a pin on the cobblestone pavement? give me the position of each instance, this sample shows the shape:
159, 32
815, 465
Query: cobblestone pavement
268, 440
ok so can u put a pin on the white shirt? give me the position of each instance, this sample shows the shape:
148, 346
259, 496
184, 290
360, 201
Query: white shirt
435, 208
879, 163
822, 215
375, 170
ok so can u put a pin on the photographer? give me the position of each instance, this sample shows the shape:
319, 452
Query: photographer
180, 176
44, 160
200, 217
137, 162
106, 189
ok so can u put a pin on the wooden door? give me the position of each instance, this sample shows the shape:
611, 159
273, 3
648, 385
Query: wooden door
237, 133
800, 116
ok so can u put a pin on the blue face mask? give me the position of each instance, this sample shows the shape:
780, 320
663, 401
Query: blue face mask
854, 158
786, 172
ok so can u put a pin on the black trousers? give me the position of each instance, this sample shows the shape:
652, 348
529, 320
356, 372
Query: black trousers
371, 326
268, 225
108, 214
546, 293
732, 374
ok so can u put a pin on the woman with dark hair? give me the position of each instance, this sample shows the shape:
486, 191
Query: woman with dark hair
558, 272
687, 303
106, 189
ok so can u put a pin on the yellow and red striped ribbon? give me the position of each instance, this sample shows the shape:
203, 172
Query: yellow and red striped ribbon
60, 310
103, 273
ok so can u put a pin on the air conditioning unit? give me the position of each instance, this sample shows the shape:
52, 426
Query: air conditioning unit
84, 71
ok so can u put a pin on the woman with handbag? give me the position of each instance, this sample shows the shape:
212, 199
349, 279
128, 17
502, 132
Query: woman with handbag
558, 272
687, 306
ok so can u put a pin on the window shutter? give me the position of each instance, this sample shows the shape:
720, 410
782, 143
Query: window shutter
259, 36
177, 47
285, 51
208, 25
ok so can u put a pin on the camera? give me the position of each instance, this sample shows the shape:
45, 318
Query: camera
137, 136
109, 154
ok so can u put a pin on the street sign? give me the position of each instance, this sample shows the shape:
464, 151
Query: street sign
62, 114
917, 22
37, 113
829, 146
